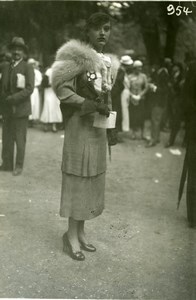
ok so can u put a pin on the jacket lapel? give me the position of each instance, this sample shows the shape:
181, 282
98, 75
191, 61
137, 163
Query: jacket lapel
91, 87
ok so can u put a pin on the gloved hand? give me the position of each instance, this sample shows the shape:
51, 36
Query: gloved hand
103, 109
90, 106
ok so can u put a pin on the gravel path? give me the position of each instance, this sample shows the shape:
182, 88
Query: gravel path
144, 248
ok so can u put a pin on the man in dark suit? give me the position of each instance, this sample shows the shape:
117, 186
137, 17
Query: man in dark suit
161, 80
16, 87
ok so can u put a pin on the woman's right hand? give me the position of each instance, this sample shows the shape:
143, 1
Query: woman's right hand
90, 106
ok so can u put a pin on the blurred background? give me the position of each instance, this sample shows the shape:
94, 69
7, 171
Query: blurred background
141, 29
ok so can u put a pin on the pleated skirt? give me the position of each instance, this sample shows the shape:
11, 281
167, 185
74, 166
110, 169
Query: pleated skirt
82, 198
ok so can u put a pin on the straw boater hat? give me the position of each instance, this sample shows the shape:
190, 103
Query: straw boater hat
126, 60
18, 42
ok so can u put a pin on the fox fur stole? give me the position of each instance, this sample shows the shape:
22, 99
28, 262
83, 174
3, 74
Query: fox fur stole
76, 57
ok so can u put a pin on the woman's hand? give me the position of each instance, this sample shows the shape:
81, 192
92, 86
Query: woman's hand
90, 106
103, 109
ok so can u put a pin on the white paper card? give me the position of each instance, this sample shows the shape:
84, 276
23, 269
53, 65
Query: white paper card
101, 121
20, 81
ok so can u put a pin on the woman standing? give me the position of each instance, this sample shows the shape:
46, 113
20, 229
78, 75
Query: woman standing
82, 81
138, 86
35, 96
126, 63
51, 113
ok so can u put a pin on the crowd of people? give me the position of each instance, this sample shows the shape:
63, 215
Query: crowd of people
156, 96
81, 88
137, 96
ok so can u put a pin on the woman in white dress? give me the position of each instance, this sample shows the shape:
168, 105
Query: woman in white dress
35, 96
51, 113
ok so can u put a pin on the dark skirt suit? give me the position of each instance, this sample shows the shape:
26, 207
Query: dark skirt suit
84, 151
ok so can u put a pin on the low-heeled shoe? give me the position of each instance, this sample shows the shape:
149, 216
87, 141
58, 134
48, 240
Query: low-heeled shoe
78, 255
88, 247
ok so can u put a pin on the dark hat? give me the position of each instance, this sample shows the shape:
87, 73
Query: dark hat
18, 42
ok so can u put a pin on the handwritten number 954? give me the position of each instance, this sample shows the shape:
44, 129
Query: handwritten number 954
178, 10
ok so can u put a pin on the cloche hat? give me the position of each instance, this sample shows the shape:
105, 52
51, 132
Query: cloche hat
126, 60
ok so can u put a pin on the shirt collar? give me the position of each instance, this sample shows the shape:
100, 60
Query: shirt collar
15, 63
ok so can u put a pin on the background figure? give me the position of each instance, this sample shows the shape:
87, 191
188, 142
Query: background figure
138, 86
51, 113
117, 90
189, 168
5, 59
35, 96
160, 80
176, 102
167, 113
2, 64
127, 63
17, 86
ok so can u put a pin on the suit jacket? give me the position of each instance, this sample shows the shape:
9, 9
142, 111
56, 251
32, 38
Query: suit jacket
2, 65
161, 80
16, 87
84, 152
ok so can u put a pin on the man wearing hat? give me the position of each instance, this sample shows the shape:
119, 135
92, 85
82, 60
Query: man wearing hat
17, 86
160, 96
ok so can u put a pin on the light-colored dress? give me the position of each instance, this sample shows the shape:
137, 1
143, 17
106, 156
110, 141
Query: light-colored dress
84, 163
125, 97
51, 112
35, 97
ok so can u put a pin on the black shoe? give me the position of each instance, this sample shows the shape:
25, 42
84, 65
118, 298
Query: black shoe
168, 145
87, 247
78, 255
54, 128
133, 137
150, 144
191, 225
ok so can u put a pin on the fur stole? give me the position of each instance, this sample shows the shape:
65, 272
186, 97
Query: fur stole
75, 58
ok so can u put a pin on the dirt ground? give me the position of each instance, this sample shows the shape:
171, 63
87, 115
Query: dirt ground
144, 248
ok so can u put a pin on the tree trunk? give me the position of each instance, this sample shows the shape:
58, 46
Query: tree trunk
172, 30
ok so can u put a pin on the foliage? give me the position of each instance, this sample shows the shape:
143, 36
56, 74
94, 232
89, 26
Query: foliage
143, 27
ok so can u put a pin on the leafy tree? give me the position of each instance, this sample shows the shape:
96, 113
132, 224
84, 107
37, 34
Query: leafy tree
143, 27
